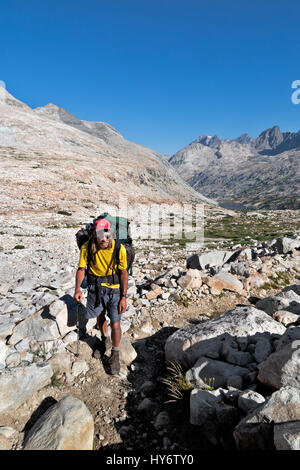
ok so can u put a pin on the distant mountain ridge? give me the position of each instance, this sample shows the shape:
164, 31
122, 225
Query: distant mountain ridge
51, 161
269, 142
260, 172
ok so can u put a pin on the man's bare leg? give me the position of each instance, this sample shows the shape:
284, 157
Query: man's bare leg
114, 360
115, 334
102, 324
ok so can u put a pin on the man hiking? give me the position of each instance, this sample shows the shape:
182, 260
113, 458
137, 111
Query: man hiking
107, 285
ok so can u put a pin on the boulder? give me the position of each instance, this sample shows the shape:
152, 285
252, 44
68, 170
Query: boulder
281, 368
212, 372
79, 367
229, 281
233, 356
147, 389
190, 343
263, 349
190, 280
66, 425
285, 300
5, 350
290, 301
58, 311
228, 416
285, 317
284, 244
20, 383
5, 443
235, 381
293, 287
249, 400
127, 352
147, 407
162, 420
255, 431
153, 293
255, 280
242, 268
6, 327
35, 328
287, 436
291, 335
70, 338
42, 299
216, 286
246, 254
13, 359
203, 405
209, 258
23, 345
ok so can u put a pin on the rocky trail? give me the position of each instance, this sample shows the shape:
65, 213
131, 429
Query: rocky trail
114, 401
232, 309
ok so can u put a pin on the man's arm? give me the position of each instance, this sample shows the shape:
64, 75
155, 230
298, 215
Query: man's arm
79, 278
123, 288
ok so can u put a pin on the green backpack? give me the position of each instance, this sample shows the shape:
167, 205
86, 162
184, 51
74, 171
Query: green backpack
120, 227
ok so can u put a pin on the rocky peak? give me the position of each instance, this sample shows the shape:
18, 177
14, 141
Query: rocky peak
245, 139
209, 141
269, 139
53, 111
7, 99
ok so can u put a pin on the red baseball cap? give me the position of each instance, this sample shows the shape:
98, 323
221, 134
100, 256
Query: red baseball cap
102, 224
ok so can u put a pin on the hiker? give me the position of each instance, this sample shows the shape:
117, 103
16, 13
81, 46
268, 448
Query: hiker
107, 285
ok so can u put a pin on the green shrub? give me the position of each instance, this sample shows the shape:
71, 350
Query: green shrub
176, 383
64, 212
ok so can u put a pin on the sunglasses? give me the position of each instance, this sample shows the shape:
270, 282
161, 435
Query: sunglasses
101, 235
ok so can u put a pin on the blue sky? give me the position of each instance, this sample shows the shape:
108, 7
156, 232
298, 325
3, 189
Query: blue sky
161, 71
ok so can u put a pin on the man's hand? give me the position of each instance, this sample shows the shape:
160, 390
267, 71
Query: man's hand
122, 305
79, 278
78, 295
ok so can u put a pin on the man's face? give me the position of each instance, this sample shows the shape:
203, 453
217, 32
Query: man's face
103, 238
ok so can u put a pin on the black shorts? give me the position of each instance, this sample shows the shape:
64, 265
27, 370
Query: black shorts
109, 301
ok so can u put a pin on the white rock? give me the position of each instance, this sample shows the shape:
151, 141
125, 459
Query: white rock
187, 344
127, 352
79, 367
66, 425
59, 311
5, 350
20, 383
249, 400
287, 436
13, 360
282, 368
23, 345
212, 372
35, 328
70, 338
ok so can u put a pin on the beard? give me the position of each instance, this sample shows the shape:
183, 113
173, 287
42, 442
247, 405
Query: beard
99, 246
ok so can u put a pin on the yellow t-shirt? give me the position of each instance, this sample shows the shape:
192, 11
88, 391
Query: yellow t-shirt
103, 259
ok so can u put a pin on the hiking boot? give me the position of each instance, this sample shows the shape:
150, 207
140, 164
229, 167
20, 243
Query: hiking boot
114, 363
